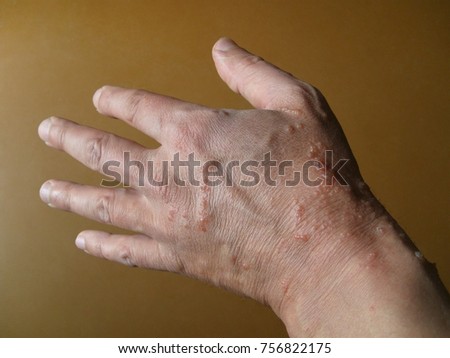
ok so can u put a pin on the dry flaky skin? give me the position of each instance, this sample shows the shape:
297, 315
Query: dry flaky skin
328, 259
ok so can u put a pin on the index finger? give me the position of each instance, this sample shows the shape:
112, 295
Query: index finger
151, 113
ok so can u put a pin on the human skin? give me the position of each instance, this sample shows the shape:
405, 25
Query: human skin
328, 259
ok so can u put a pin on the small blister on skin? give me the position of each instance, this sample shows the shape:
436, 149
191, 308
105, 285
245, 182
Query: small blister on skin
303, 238
203, 225
204, 214
380, 230
300, 213
419, 255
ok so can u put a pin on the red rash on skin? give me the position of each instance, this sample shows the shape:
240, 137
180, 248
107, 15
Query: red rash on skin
239, 265
299, 217
372, 259
300, 213
317, 151
203, 225
283, 247
172, 212
303, 238
204, 209
245, 267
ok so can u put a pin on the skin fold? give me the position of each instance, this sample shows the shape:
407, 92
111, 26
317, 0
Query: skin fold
328, 259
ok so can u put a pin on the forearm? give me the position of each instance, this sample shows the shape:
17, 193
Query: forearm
386, 289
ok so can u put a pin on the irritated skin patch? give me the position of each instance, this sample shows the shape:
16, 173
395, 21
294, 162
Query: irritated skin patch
302, 238
299, 217
204, 214
203, 224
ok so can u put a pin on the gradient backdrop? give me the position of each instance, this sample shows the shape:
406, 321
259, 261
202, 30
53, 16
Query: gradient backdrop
383, 65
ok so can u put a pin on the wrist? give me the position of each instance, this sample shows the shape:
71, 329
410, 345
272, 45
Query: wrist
373, 284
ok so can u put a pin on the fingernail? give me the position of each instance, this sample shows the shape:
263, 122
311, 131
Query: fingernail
44, 192
80, 243
44, 130
96, 97
224, 44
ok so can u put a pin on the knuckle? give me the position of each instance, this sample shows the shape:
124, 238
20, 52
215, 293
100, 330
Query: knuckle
95, 150
125, 255
170, 260
301, 97
191, 136
248, 66
57, 132
61, 196
306, 92
60, 199
176, 264
251, 60
98, 250
104, 208
221, 114
136, 103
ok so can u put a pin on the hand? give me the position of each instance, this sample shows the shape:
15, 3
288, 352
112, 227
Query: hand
287, 240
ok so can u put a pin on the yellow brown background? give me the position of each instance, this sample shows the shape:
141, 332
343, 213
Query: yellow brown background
383, 65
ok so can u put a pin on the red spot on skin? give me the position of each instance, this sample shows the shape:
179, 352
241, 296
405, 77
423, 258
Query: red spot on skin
205, 203
317, 151
283, 246
371, 260
238, 264
303, 238
372, 308
291, 129
172, 212
203, 225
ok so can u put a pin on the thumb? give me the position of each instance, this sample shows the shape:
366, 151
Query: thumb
259, 82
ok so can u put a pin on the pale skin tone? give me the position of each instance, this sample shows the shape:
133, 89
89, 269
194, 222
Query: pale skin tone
329, 260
